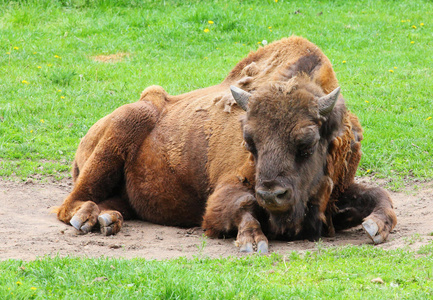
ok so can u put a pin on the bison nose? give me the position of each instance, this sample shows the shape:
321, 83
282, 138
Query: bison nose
275, 196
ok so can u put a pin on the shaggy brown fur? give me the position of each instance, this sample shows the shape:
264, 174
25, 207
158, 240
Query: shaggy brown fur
182, 160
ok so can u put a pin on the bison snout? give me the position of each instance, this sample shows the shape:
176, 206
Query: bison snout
274, 199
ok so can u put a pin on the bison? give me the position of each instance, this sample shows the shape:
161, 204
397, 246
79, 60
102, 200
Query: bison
270, 152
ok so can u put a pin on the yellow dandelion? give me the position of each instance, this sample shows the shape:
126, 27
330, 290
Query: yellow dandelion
391, 71
368, 171
19, 283
210, 22
31, 131
395, 67
412, 42
33, 288
62, 97
42, 121
35, 52
410, 108
413, 26
422, 24
56, 56
251, 8
49, 65
25, 81
403, 21
270, 30
16, 48
205, 57
243, 44
259, 42
343, 61
276, 1
8, 53
270, 27
39, 67
59, 91
428, 118
366, 101
206, 30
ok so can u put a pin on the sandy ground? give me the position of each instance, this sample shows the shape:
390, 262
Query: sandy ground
28, 230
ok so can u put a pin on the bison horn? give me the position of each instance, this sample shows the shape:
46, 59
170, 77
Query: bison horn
241, 97
327, 103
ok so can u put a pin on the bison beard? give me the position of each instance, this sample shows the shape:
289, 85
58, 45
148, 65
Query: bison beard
271, 151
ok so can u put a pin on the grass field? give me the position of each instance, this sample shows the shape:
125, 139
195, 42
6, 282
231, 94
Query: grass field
346, 273
55, 82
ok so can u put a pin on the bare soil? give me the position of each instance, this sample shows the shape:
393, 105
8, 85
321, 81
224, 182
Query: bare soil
29, 230
112, 58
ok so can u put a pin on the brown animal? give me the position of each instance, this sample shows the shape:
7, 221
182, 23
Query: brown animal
285, 167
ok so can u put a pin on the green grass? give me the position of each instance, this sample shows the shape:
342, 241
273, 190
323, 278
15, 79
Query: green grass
344, 273
52, 91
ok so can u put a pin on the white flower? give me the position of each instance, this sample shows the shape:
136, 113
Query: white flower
264, 42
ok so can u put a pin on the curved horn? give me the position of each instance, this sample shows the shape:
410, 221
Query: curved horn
327, 103
241, 97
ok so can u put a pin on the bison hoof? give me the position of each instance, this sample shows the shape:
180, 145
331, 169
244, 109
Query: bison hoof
107, 231
247, 248
372, 230
262, 247
81, 226
106, 222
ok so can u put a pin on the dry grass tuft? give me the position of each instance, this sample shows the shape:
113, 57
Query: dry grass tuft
112, 58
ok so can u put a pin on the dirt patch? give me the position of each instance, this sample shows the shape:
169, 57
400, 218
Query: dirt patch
112, 58
28, 230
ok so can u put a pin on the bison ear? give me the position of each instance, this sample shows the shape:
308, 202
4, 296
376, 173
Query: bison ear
327, 103
241, 97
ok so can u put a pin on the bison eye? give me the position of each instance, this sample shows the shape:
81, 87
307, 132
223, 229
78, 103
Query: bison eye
306, 152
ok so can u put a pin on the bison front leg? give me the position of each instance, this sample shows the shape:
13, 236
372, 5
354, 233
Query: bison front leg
371, 207
249, 233
230, 208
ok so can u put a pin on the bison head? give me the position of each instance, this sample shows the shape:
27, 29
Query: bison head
288, 128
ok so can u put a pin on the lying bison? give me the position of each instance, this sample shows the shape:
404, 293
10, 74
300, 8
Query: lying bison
271, 150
